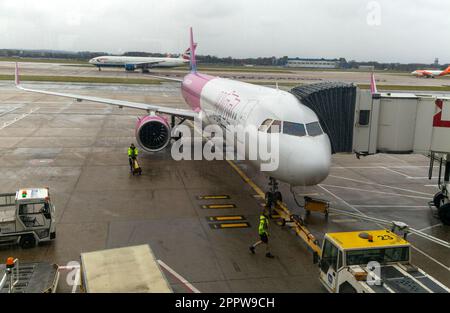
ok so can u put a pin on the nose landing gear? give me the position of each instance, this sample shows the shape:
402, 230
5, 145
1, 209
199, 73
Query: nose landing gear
273, 195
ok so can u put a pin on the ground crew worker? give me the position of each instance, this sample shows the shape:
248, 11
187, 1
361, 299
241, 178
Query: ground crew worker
263, 231
132, 155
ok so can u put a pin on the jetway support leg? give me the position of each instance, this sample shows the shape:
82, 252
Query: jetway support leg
441, 199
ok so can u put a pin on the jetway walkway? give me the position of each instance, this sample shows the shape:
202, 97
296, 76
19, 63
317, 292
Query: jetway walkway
334, 104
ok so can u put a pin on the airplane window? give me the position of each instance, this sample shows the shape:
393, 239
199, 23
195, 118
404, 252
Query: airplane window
275, 128
294, 129
265, 125
314, 129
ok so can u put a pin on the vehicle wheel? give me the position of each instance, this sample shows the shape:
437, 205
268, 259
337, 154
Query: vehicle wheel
278, 197
438, 199
27, 242
346, 288
444, 214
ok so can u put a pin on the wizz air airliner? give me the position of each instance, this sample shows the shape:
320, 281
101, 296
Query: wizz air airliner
304, 149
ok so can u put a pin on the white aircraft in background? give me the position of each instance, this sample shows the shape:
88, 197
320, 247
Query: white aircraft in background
431, 73
304, 149
130, 63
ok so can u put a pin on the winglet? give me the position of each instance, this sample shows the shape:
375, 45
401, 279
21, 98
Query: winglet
373, 84
192, 54
16, 77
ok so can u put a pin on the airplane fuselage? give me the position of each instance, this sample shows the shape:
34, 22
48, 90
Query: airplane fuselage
304, 158
121, 61
430, 73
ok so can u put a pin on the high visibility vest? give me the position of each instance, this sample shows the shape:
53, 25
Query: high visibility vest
263, 225
133, 152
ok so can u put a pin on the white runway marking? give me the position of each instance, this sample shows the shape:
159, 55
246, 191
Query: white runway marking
380, 192
429, 227
431, 258
178, 276
381, 185
391, 170
76, 282
10, 110
6, 124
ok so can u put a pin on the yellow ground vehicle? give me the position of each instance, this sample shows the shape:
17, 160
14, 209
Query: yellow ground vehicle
376, 261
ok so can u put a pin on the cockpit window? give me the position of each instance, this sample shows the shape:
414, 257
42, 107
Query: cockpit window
294, 129
314, 129
265, 125
275, 128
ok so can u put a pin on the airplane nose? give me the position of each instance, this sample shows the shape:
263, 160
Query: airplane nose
311, 164
92, 61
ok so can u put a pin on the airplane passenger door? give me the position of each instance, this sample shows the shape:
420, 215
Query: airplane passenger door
329, 265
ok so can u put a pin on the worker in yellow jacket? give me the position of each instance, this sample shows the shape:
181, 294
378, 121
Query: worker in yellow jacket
263, 231
132, 155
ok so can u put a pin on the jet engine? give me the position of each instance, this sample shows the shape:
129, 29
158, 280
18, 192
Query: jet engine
153, 133
130, 67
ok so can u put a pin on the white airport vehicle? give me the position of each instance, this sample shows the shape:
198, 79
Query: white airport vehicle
377, 261
130, 63
304, 149
129, 269
27, 217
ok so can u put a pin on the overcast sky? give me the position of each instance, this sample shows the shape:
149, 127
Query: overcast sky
384, 30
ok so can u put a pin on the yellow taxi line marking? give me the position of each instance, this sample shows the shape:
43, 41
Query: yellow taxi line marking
228, 218
213, 197
229, 225
233, 225
247, 179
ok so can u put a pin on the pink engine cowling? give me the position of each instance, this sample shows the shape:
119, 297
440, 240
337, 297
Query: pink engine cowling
153, 133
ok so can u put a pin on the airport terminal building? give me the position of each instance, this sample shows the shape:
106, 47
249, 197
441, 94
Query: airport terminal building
313, 63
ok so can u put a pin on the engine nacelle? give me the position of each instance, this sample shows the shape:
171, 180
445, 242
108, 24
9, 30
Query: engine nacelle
130, 67
153, 133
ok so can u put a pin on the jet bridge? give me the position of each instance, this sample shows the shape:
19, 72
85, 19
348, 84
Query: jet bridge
334, 104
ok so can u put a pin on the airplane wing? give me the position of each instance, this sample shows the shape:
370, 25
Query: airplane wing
189, 114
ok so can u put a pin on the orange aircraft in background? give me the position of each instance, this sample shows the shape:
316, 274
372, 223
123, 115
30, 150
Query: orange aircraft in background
431, 73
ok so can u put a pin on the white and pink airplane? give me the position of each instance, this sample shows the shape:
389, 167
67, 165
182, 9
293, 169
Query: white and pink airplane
304, 149
431, 73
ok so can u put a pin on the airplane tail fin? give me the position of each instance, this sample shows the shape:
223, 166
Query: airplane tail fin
447, 70
16, 75
187, 53
373, 84
192, 52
